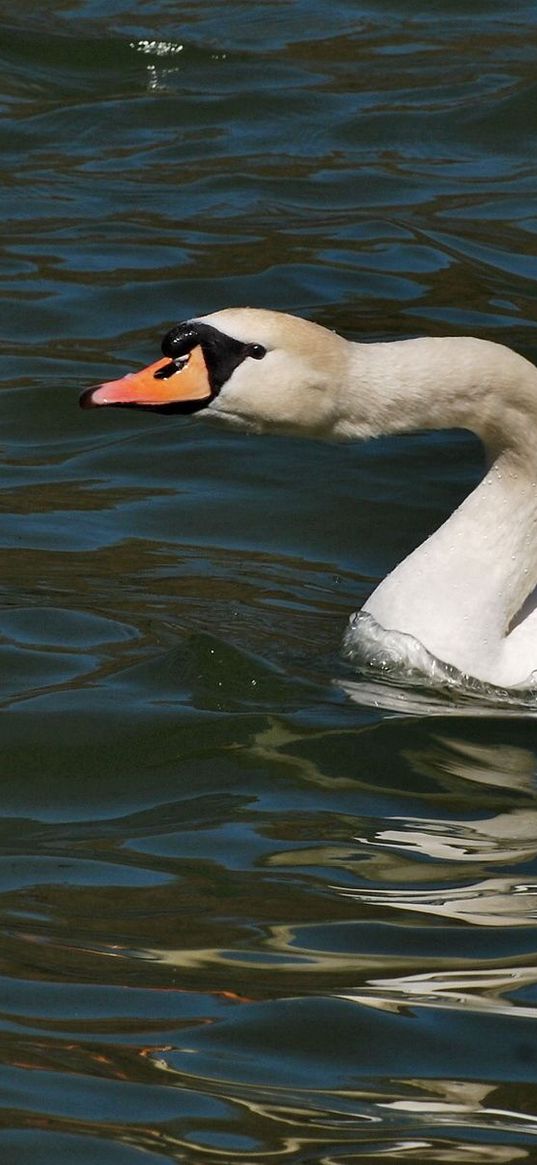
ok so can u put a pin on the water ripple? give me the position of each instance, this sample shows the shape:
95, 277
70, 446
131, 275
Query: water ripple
244, 917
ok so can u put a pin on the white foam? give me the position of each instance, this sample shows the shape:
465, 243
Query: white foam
401, 661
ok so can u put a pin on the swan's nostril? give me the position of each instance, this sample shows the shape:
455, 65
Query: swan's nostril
171, 368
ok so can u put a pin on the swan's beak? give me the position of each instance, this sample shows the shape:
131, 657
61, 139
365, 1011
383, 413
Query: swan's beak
172, 386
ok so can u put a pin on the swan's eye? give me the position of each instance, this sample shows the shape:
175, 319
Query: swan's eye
257, 351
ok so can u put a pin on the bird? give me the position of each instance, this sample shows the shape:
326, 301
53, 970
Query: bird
467, 596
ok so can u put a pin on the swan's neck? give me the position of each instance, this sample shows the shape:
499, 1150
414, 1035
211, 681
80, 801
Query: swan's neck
439, 383
463, 590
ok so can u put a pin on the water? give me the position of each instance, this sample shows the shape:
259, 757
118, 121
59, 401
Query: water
244, 917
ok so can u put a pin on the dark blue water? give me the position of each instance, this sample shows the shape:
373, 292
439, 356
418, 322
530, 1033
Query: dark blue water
243, 918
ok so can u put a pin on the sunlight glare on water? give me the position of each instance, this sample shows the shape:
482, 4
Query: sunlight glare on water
244, 916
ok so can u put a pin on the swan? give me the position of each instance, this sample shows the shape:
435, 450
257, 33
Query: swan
467, 596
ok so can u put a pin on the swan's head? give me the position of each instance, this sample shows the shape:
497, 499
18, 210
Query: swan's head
263, 370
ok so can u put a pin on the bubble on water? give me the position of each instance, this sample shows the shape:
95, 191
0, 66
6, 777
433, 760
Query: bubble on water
157, 48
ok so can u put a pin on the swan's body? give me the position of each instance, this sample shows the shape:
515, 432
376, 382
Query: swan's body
466, 593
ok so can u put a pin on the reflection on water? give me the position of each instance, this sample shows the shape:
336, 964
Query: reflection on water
282, 1020
285, 954
499, 838
253, 907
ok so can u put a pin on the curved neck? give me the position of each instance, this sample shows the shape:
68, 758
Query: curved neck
465, 587
438, 383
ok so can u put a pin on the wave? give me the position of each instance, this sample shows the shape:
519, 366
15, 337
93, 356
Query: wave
402, 662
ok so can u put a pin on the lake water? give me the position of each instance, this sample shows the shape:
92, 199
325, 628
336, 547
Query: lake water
243, 918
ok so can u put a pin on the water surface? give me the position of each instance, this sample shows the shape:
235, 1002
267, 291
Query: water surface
245, 918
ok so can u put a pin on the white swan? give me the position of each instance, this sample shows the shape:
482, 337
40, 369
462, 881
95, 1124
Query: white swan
468, 593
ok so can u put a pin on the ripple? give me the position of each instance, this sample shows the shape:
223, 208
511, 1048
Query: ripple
243, 916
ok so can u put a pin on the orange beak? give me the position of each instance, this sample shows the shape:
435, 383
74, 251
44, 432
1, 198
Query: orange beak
181, 387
